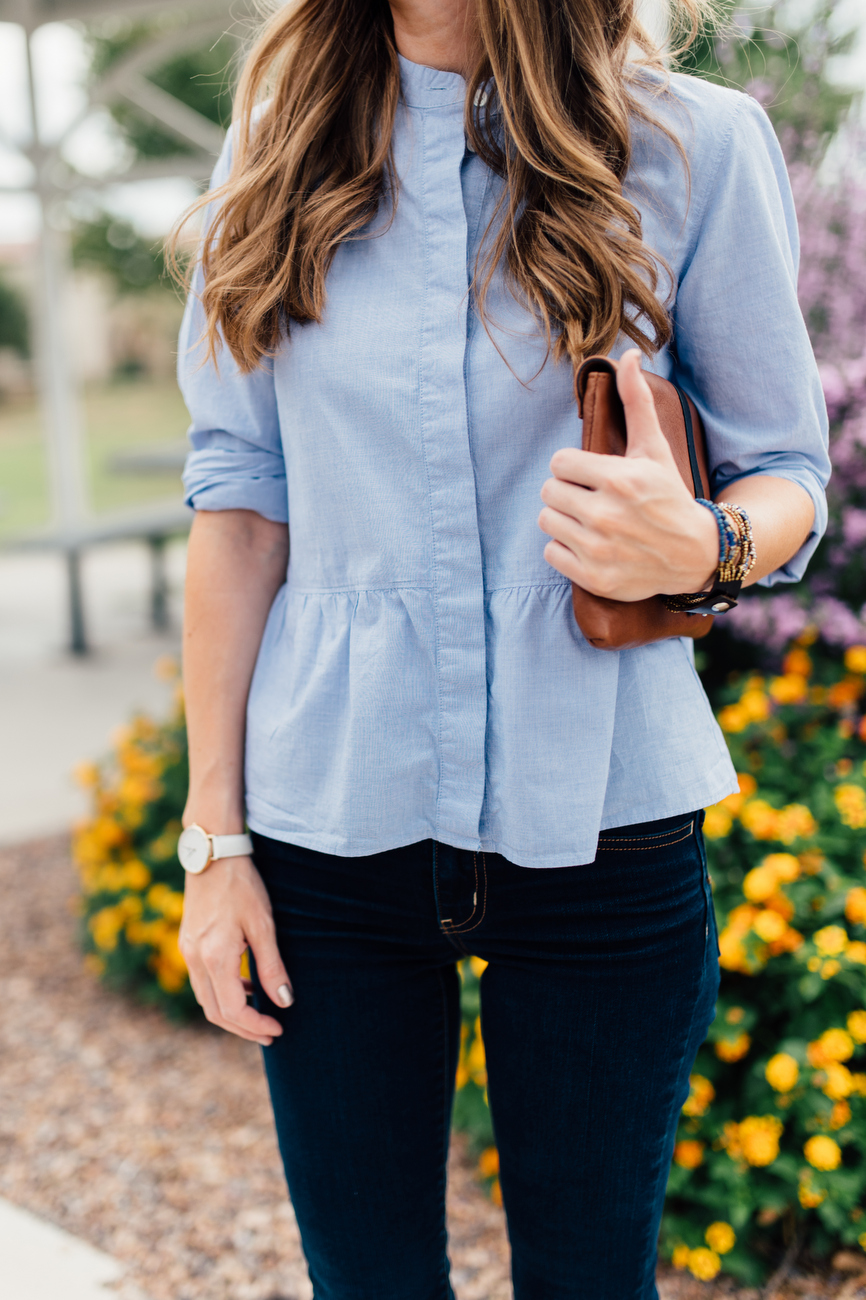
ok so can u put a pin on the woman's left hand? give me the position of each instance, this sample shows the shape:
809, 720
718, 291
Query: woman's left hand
627, 527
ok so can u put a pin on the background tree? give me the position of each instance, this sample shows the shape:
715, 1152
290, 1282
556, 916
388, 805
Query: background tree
14, 327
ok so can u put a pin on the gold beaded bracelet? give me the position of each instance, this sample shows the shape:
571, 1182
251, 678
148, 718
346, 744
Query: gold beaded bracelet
736, 560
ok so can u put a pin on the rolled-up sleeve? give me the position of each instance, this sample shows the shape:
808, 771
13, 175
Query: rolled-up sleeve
236, 461
743, 352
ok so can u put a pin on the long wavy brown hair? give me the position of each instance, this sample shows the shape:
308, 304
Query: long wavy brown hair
312, 164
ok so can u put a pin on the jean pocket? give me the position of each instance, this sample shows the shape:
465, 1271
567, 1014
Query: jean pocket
648, 836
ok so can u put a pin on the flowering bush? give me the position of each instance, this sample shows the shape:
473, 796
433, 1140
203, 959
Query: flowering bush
772, 1140
126, 852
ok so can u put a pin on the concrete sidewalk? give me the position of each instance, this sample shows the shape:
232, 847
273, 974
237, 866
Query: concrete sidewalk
41, 1262
56, 711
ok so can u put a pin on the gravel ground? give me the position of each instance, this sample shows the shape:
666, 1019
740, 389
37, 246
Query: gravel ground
154, 1141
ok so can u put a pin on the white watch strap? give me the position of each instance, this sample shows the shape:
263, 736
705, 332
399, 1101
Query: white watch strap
230, 846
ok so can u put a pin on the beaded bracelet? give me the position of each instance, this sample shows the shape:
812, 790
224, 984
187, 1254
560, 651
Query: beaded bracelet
736, 559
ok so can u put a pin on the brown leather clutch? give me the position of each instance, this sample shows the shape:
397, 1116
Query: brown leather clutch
623, 624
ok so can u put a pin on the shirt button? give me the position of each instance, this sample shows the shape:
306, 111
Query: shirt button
481, 98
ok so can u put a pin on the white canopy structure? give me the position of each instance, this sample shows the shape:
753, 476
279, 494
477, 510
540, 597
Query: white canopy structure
53, 181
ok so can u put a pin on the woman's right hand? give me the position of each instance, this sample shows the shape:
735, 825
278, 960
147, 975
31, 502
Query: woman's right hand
225, 910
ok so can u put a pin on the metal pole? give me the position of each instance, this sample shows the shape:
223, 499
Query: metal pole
158, 583
57, 387
77, 633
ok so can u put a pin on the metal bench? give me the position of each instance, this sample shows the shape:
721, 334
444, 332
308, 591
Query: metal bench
153, 525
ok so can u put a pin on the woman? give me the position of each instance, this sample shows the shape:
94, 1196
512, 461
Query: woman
427, 214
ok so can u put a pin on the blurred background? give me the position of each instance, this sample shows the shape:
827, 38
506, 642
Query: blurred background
112, 113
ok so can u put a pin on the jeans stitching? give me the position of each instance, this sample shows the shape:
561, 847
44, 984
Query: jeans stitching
464, 925
656, 835
638, 847
452, 927
444, 926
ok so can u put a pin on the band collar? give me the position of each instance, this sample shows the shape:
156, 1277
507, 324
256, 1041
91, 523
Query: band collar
428, 87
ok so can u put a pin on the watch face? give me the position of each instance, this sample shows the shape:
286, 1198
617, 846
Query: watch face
193, 849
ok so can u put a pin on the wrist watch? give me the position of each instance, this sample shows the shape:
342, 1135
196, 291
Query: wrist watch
197, 850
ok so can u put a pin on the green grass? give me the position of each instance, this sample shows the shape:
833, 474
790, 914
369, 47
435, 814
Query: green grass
121, 416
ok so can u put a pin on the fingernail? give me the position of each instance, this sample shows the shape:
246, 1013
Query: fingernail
285, 996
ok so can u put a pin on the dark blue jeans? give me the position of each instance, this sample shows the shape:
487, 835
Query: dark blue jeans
600, 988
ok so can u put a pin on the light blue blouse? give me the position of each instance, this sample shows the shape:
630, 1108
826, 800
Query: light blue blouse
421, 674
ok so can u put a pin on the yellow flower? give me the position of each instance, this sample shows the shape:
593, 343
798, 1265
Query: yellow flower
795, 822
680, 1257
840, 1114
688, 1153
717, 824
733, 954
856, 952
701, 1093
845, 693
858, 1084
823, 1153
810, 1197
797, 661
105, 926
839, 1082
855, 659
172, 905
704, 1263
755, 1139
782, 1072
855, 905
857, 1026
760, 819
833, 1045
755, 704
830, 968
733, 1049
769, 926
734, 718
130, 906
479, 966
488, 1163
169, 979
720, 1237
785, 866
476, 1061
158, 895
759, 1138
735, 1015
789, 689
850, 800
136, 875
861, 1241
831, 941
760, 884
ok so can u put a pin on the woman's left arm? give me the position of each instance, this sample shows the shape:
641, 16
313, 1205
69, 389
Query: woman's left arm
743, 355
